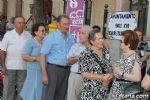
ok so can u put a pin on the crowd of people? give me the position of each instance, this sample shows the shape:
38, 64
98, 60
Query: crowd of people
41, 66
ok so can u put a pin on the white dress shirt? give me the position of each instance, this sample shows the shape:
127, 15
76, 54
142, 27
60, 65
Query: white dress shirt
75, 50
13, 43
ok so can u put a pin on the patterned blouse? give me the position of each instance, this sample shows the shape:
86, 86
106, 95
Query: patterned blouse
117, 91
90, 62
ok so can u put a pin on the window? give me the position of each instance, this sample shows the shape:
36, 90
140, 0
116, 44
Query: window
87, 13
65, 7
142, 7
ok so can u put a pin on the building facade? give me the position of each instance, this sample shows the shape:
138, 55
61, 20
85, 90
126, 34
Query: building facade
1, 6
94, 8
94, 12
148, 20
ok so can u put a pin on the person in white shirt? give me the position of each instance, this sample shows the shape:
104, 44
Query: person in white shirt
13, 66
75, 78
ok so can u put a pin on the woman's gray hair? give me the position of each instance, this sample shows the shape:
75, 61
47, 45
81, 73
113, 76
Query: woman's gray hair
91, 36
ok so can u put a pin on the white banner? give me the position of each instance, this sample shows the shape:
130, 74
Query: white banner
120, 21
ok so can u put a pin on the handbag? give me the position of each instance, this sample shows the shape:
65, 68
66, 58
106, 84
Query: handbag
132, 88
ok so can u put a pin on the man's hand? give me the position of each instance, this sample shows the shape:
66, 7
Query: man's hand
73, 60
2, 62
45, 78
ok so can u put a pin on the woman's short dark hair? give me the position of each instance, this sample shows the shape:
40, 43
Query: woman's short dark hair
91, 36
35, 28
96, 27
131, 38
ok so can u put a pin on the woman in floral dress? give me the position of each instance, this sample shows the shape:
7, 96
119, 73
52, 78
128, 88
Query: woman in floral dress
128, 72
95, 69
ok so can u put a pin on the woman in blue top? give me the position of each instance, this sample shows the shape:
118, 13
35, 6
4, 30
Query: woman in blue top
32, 88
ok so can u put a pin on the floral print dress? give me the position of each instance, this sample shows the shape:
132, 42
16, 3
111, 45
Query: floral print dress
90, 62
117, 91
